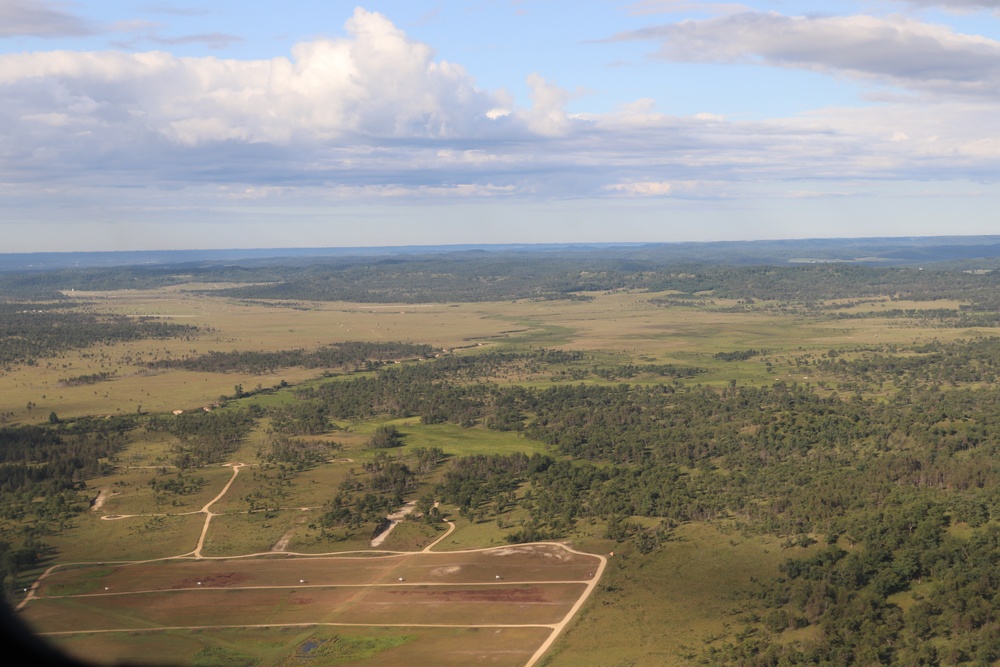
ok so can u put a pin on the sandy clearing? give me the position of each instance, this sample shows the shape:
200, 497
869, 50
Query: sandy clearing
394, 518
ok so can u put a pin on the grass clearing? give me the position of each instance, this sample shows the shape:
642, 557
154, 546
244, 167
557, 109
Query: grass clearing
666, 607
622, 323
130, 538
458, 441
259, 532
288, 647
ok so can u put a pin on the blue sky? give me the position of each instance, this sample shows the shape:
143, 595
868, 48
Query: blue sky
148, 125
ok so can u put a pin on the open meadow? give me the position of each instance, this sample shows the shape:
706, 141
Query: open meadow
622, 325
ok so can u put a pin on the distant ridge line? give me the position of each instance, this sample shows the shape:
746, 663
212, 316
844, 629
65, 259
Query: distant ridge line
876, 250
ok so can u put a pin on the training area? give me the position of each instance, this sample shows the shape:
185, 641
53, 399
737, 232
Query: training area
418, 603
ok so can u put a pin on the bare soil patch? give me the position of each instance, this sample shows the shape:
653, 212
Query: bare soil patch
521, 595
219, 580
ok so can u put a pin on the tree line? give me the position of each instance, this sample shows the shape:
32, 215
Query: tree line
349, 356
29, 332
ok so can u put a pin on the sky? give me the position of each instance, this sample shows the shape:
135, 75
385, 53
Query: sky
179, 125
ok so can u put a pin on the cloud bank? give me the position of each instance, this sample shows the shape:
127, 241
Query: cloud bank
374, 115
376, 82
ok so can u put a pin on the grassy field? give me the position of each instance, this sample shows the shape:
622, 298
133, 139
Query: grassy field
137, 538
287, 647
621, 323
665, 608
458, 441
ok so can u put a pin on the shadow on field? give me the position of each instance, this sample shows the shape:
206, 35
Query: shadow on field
23, 647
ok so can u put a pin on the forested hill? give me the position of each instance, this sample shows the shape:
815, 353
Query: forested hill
887, 251
800, 271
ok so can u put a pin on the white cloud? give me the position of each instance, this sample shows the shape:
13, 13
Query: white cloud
897, 50
376, 82
548, 109
374, 116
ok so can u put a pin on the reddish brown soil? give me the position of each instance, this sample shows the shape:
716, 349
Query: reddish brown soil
492, 595
220, 580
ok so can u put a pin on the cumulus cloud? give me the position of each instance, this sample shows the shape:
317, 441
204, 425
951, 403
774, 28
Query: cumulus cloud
37, 18
377, 82
548, 109
896, 50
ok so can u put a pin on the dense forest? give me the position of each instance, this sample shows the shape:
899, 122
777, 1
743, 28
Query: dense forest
42, 471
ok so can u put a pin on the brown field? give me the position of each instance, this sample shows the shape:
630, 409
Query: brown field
507, 588
527, 563
463, 605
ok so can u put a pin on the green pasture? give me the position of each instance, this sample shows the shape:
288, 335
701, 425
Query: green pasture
458, 441
310, 487
130, 491
92, 539
259, 532
412, 536
146, 450
294, 646
309, 538
665, 608
470, 534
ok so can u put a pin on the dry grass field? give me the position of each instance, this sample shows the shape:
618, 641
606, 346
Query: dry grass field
624, 324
